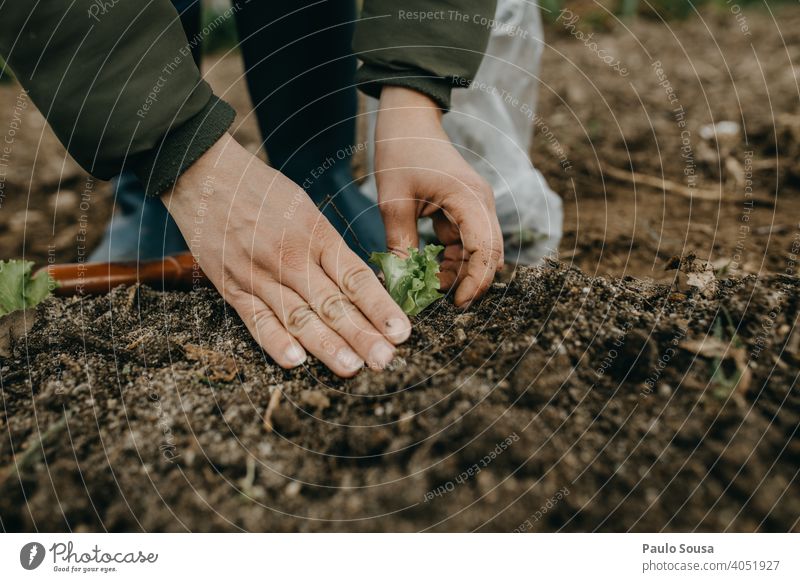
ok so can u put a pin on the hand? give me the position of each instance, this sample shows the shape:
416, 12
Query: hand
282, 266
420, 173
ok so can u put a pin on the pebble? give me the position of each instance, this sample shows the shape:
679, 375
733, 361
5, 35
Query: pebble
315, 399
293, 489
64, 201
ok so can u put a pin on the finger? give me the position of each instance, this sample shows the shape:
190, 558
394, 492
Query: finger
455, 252
447, 280
481, 236
339, 314
487, 221
451, 273
448, 234
453, 267
400, 219
268, 331
304, 324
365, 291
480, 273
446, 229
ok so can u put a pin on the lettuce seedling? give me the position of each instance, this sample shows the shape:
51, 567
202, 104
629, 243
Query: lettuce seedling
411, 282
18, 289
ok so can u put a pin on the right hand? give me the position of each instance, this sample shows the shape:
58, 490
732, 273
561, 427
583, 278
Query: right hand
280, 264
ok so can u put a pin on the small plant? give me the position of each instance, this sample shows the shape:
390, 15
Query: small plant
411, 282
18, 289
728, 374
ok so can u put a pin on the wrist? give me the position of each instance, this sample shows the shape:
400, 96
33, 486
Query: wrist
405, 113
198, 182
408, 102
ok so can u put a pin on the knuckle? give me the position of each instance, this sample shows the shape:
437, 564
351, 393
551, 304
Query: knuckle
494, 255
291, 256
334, 307
262, 317
355, 280
236, 296
233, 294
479, 185
322, 232
299, 318
391, 212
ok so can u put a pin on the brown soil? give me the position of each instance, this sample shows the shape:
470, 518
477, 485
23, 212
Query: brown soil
148, 412
573, 397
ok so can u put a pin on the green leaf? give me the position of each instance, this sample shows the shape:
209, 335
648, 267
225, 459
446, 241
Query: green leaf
411, 282
18, 290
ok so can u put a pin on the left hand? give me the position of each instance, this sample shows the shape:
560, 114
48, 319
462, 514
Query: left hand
420, 173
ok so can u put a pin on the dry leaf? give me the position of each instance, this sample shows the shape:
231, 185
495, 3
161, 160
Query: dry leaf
217, 367
694, 274
709, 347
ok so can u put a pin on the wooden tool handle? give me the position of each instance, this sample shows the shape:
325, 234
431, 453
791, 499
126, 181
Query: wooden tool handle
176, 272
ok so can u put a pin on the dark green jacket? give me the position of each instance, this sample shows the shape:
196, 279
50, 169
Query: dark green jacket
116, 80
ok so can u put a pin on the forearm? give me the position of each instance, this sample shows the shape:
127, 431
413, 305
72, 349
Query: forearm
406, 113
425, 46
114, 85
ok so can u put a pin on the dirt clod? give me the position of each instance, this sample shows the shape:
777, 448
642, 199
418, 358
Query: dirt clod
534, 401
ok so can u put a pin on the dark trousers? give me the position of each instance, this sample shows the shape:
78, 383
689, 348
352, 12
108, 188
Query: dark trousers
300, 75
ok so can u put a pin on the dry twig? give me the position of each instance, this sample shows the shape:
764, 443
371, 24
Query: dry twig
274, 401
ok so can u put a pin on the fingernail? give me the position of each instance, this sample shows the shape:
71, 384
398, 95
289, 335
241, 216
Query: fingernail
381, 354
349, 359
398, 330
295, 355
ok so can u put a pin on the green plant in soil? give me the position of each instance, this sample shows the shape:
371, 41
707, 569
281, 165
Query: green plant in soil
18, 289
725, 382
412, 282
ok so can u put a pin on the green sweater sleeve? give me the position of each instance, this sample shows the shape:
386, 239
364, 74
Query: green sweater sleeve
116, 82
428, 46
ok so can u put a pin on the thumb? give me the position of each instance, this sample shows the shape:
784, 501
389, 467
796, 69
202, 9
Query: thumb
400, 219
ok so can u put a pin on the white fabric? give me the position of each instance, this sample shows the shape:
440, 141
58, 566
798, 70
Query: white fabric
492, 124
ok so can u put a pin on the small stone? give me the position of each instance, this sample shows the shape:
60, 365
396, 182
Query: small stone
464, 319
315, 399
64, 201
13, 327
285, 421
293, 489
